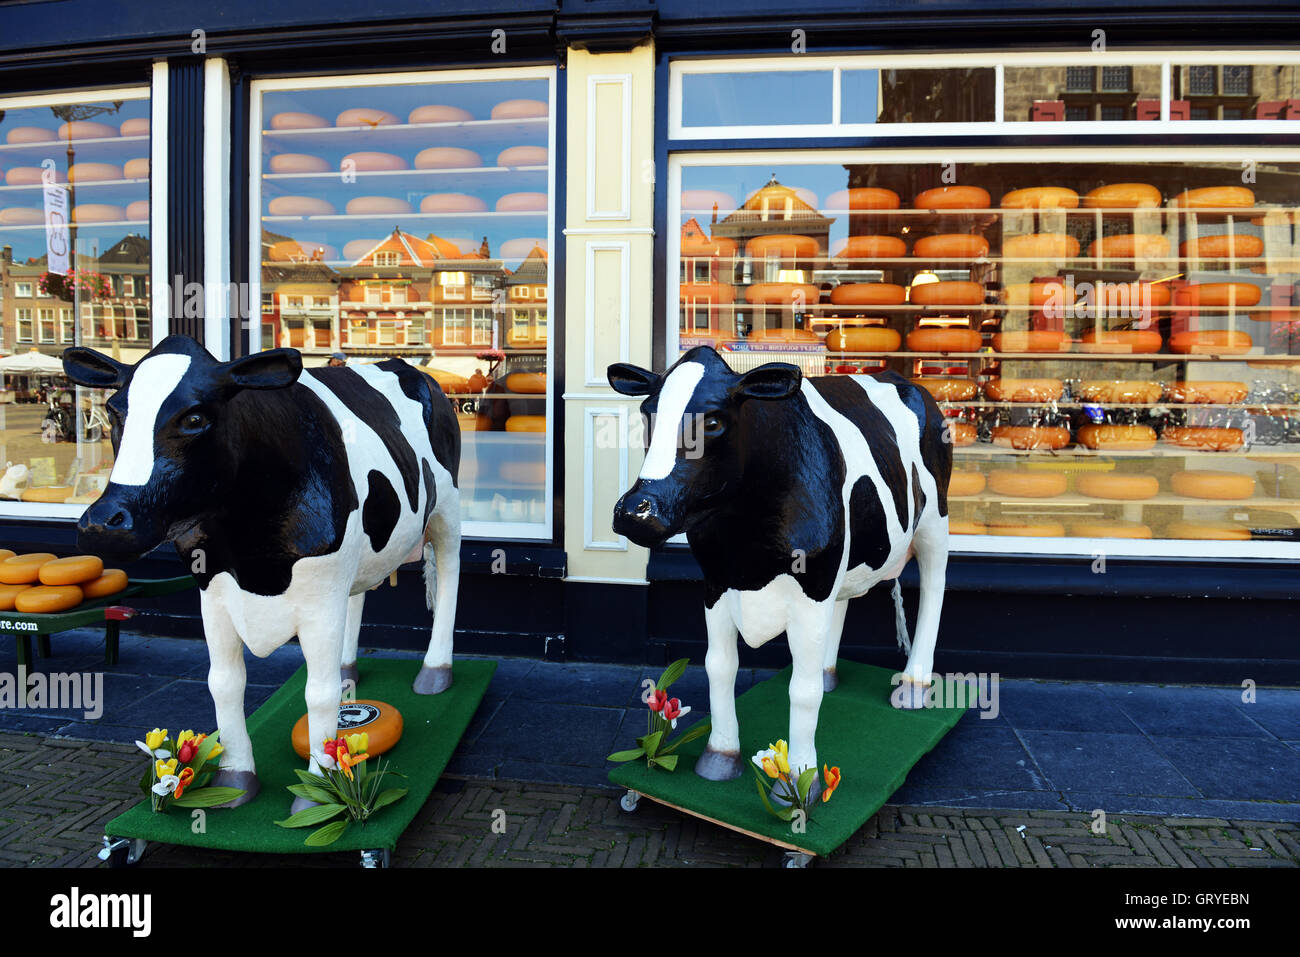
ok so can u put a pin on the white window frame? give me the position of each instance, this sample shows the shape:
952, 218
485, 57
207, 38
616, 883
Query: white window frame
18, 324
20, 294
1120, 155
1165, 59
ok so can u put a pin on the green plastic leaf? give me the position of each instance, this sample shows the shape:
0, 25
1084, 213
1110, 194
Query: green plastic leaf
205, 750
804, 783
631, 755
319, 795
694, 731
672, 673
207, 797
668, 761
327, 834
651, 742
388, 797
306, 777
312, 815
785, 814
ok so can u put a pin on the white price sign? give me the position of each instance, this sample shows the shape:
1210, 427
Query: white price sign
56, 229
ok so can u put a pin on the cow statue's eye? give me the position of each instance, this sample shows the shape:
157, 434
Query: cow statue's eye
194, 421
712, 425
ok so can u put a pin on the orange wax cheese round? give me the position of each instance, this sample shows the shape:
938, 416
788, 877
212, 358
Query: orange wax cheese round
452, 203
29, 134
1218, 531
1116, 529
1040, 246
447, 157
523, 156
1219, 294
932, 339
112, 581
966, 527
71, 571
29, 176
94, 173
1052, 293
1203, 438
1027, 529
781, 246
7, 595
7, 553
97, 213
1120, 391
531, 383
519, 110
863, 197
961, 433
1031, 437
298, 163
138, 211
964, 482
1131, 294
1120, 486
46, 493
448, 382
21, 216
366, 118
956, 292
782, 293
1222, 247
1024, 390
1139, 341
136, 127
521, 203
868, 294
1117, 438
1211, 342
1215, 197
380, 722
951, 246
298, 121
863, 339
947, 390
44, 599
367, 161
1130, 246
872, 247
299, 206
1123, 196
1024, 483
1031, 340
138, 168
87, 130
954, 197
439, 113
1217, 393
1212, 483
526, 423
1041, 197
377, 205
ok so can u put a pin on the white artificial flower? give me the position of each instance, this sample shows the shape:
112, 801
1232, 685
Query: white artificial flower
167, 785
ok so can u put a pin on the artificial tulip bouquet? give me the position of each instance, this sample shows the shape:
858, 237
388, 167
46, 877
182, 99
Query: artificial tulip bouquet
178, 771
778, 785
662, 718
349, 791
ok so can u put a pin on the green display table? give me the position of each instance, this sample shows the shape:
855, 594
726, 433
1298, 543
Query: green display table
873, 744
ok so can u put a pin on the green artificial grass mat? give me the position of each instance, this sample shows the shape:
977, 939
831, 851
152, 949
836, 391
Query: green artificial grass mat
873, 744
432, 727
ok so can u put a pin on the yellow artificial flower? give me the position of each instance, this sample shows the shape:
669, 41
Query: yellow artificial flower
782, 757
155, 738
216, 749
164, 768
832, 776
358, 743
769, 768
183, 737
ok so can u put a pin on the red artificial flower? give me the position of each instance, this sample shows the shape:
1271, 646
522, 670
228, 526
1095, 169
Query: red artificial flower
187, 752
658, 698
673, 709
335, 747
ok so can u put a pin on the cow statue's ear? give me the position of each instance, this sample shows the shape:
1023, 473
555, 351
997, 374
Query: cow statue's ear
628, 379
94, 369
273, 369
774, 380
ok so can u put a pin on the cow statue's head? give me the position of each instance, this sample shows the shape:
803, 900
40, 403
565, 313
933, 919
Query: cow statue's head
694, 448
168, 439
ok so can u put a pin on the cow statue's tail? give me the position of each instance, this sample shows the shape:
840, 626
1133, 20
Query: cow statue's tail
900, 619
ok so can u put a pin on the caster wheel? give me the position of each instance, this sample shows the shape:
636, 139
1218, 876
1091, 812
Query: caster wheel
122, 852
378, 858
797, 859
629, 801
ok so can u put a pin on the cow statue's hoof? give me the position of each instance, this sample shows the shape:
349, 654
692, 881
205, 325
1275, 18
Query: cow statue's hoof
719, 765
830, 680
814, 792
909, 695
246, 781
348, 673
432, 680
302, 804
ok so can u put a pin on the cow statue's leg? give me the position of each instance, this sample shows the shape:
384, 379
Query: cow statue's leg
351, 635
829, 679
807, 629
721, 760
442, 579
226, 680
321, 638
931, 544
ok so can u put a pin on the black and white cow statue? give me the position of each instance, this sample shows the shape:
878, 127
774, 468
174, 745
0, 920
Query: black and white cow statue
289, 494
796, 494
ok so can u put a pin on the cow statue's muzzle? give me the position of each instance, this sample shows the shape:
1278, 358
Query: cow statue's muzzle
646, 516
112, 528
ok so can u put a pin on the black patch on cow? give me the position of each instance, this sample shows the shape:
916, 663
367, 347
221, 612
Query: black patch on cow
851, 401
381, 510
430, 490
936, 450
373, 408
868, 529
918, 498
439, 416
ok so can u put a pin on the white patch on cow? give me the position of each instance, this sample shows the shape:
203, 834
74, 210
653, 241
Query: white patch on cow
674, 395
154, 380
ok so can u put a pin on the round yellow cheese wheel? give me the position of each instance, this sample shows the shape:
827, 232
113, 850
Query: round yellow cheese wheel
956, 292
368, 161
7, 553
46, 493
526, 423
929, 339
966, 527
21, 216
1121, 341
1211, 342
447, 157
1024, 390
97, 213
112, 581
1031, 340
1219, 294
863, 339
138, 211
1023, 483
1027, 529
29, 134
1219, 531
366, 118
951, 246
519, 109
7, 595
381, 723
1031, 437
136, 127
24, 569
954, 197
87, 130
439, 113
298, 163
870, 247
868, 294
448, 382
452, 203
526, 382
523, 156
962, 433
965, 482
1120, 486
1051, 292
1119, 391
1204, 438
782, 293
1130, 246
1117, 438
94, 173
298, 121
521, 203
1218, 393
30, 176
1215, 197
377, 206
863, 197
44, 599
71, 571
1212, 483
300, 206
137, 168
947, 390
1041, 197
1116, 529
1222, 247
1123, 196
1040, 246
781, 246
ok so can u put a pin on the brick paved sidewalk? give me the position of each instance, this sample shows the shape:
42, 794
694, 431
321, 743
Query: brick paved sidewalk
56, 794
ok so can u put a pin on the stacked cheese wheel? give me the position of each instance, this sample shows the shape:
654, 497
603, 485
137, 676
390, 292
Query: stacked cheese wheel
63, 582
